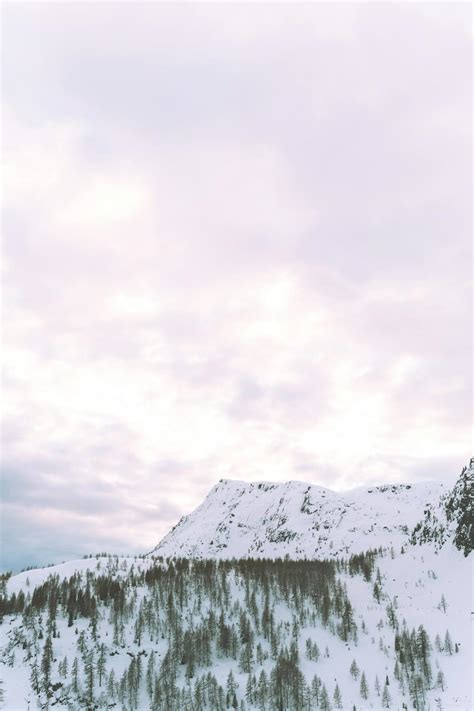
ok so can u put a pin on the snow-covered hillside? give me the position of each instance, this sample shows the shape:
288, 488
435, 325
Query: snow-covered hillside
271, 520
451, 518
144, 634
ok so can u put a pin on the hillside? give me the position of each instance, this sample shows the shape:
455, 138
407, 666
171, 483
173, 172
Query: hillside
451, 517
143, 634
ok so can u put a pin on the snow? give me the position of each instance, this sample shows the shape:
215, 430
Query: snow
29, 579
265, 519
415, 579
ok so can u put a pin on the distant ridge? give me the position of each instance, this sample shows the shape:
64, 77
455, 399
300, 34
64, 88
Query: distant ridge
300, 520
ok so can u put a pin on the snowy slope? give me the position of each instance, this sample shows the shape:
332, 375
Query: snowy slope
413, 584
266, 519
451, 517
118, 566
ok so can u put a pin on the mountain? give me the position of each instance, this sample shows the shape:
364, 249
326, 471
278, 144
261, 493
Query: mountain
270, 520
451, 517
370, 610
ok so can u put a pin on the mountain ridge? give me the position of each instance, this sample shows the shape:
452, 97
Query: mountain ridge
452, 517
294, 518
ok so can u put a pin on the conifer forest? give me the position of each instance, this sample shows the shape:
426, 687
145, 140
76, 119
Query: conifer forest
188, 635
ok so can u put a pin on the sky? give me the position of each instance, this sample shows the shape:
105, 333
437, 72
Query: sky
236, 244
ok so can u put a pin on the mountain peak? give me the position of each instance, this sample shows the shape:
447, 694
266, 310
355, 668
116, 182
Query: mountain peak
299, 519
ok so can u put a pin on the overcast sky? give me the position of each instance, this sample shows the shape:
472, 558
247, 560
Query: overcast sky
236, 244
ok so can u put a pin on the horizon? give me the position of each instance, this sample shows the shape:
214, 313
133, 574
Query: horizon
237, 240
448, 482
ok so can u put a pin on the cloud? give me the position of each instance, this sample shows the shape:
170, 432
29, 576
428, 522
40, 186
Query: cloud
237, 243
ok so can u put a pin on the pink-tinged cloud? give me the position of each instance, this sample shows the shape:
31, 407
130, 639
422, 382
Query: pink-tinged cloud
237, 242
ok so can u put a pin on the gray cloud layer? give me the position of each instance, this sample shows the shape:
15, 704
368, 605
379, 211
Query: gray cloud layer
237, 243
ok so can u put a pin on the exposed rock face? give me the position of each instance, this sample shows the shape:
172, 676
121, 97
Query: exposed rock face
451, 517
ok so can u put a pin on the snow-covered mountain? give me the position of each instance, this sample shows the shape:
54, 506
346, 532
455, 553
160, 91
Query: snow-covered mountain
451, 517
300, 520
383, 622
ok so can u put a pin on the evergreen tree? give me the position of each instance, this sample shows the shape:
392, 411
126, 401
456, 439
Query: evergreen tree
246, 659
101, 663
150, 674
65, 668
386, 700
316, 689
337, 698
324, 703
443, 605
417, 690
354, 669
377, 591
46, 661
377, 686
75, 675
262, 690
35, 678
111, 686
89, 673
250, 689
440, 682
231, 688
